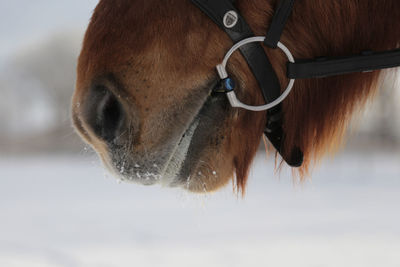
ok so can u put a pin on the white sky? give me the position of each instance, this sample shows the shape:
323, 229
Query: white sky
23, 22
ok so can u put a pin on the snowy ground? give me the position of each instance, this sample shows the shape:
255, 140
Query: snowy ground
60, 211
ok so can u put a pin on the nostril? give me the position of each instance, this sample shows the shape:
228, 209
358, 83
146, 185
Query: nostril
109, 117
104, 113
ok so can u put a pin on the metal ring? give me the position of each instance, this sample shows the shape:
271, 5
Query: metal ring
234, 101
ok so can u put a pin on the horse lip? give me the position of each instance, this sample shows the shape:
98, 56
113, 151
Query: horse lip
133, 173
178, 156
168, 174
168, 179
130, 172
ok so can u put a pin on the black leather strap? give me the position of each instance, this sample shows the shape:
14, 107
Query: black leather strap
323, 67
276, 135
274, 130
253, 53
259, 65
278, 23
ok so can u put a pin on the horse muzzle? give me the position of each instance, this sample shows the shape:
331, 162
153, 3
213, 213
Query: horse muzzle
137, 149
110, 125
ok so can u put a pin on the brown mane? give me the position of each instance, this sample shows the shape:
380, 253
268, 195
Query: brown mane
129, 39
318, 110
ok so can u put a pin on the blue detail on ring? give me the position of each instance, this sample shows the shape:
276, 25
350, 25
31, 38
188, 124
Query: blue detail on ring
229, 84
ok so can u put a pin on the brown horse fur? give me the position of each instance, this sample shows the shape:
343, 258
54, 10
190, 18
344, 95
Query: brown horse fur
160, 51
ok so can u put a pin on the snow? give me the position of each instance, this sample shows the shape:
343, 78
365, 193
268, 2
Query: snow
64, 211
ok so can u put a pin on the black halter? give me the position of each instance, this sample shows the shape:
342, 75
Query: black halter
228, 18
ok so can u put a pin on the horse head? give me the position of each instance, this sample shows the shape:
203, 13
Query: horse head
143, 97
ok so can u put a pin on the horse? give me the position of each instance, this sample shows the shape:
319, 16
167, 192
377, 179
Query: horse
143, 92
